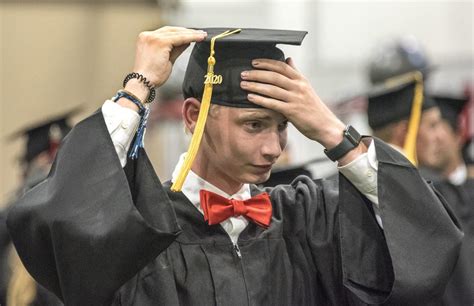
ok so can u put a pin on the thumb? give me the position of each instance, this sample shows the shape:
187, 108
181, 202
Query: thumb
176, 52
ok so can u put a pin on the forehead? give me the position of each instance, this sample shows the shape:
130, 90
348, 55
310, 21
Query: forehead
252, 113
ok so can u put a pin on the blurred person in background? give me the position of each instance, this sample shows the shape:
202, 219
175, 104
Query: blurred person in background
468, 149
17, 287
392, 59
458, 189
395, 118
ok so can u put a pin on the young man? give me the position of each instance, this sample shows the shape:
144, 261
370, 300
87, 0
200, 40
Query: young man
97, 234
458, 189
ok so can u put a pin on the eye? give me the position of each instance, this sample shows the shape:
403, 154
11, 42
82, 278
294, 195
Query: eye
253, 126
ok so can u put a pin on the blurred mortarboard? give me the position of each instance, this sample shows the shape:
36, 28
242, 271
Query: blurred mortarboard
400, 98
214, 68
394, 58
45, 135
451, 107
392, 103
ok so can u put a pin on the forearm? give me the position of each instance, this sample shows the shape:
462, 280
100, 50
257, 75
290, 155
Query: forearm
138, 89
361, 171
122, 123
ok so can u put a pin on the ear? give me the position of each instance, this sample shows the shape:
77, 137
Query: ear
190, 113
400, 130
458, 138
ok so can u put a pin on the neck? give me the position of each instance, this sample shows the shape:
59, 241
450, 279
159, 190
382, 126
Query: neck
452, 166
205, 169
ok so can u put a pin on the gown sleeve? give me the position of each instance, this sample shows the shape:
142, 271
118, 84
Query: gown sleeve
117, 220
422, 236
356, 262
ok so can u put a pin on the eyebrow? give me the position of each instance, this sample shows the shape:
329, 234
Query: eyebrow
254, 115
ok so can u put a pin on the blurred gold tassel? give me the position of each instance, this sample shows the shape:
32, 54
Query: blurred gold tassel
409, 147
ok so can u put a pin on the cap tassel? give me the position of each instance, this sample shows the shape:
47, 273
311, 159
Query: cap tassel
414, 122
409, 146
210, 79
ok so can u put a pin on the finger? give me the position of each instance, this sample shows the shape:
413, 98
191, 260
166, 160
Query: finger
269, 77
277, 66
174, 39
187, 38
173, 29
269, 103
291, 62
269, 90
178, 33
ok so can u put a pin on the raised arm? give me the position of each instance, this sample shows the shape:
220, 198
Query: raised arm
91, 226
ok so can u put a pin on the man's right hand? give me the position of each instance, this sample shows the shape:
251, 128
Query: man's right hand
156, 53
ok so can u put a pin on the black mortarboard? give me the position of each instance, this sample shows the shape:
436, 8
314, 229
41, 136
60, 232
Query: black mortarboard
451, 108
213, 73
389, 104
234, 54
45, 135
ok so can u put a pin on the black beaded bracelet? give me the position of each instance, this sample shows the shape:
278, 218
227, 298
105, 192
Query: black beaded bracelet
141, 78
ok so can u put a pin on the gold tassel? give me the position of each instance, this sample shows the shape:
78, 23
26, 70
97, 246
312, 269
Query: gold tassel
210, 79
409, 147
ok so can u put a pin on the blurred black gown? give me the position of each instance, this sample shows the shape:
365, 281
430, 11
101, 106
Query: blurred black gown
460, 289
95, 234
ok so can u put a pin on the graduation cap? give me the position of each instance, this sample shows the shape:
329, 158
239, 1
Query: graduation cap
45, 135
214, 68
451, 108
399, 98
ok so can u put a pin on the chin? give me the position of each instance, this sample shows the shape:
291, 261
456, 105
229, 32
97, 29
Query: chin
258, 179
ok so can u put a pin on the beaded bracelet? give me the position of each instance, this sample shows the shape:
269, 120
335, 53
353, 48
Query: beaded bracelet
141, 78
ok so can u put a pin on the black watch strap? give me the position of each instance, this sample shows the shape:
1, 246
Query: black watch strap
351, 139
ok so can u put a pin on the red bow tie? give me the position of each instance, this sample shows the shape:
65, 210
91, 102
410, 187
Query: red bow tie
217, 208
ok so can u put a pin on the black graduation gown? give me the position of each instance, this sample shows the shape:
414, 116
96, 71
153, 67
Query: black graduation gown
460, 289
4, 251
43, 296
97, 235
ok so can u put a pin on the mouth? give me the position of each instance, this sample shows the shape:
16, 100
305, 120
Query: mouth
264, 168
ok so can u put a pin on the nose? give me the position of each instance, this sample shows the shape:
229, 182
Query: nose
272, 146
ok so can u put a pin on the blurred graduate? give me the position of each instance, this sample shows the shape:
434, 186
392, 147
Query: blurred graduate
17, 287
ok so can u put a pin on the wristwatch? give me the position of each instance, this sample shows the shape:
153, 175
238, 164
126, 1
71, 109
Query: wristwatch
350, 141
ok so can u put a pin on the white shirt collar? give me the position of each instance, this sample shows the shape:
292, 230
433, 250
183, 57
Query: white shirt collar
397, 148
458, 176
193, 184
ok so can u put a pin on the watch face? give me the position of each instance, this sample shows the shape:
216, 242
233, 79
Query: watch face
352, 134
